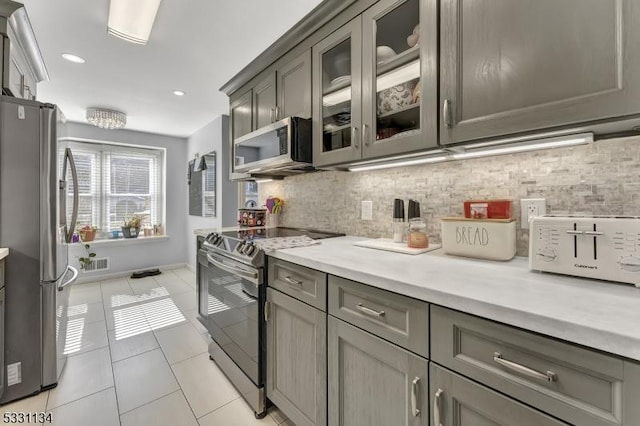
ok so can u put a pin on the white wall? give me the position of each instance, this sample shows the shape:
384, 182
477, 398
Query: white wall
171, 251
213, 137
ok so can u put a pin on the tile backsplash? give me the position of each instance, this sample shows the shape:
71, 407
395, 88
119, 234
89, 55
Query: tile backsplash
602, 178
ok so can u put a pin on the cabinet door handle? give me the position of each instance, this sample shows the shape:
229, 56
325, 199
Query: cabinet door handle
272, 115
414, 397
292, 281
267, 307
436, 408
354, 137
370, 311
446, 113
277, 113
365, 135
549, 376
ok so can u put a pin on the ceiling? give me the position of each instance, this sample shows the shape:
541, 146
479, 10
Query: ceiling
195, 48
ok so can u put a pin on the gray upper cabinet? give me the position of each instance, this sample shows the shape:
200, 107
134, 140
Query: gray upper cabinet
460, 402
375, 84
296, 359
264, 102
337, 113
373, 382
241, 115
522, 65
399, 77
294, 88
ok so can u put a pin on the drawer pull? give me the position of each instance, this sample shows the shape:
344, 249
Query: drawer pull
291, 281
414, 397
369, 311
549, 376
436, 407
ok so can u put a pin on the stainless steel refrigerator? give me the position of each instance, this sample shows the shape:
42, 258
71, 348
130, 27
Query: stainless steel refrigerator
35, 226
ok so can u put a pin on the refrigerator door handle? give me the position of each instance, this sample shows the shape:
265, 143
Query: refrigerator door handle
71, 280
68, 159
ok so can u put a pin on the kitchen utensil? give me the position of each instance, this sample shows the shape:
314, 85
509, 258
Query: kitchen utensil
605, 248
413, 210
383, 53
396, 97
493, 239
390, 245
399, 227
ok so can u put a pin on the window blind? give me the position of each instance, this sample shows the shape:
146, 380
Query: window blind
115, 183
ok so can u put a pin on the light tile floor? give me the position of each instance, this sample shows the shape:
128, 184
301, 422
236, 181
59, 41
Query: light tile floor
138, 357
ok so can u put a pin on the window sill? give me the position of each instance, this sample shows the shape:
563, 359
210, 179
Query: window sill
115, 242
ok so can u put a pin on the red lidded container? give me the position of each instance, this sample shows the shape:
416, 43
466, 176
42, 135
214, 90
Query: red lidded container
488, 209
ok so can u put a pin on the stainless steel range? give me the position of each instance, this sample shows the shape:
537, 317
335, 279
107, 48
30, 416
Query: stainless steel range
231, 279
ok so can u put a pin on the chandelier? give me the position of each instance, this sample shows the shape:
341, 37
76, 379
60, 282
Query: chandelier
106, 118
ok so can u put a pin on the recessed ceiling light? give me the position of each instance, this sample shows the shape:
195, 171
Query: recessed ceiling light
73, 58
178, 93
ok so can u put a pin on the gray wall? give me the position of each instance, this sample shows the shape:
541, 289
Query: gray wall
172, 251
602, 178
212, 137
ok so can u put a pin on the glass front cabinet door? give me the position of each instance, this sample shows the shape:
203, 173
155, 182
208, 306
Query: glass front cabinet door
399, 77
375, 84
336, 93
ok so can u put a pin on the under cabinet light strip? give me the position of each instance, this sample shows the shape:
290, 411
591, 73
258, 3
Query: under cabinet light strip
510, 148
412, 162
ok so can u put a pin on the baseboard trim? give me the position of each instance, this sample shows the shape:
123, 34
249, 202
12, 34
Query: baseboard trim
88, 278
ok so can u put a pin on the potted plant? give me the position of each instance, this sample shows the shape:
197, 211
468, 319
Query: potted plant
131, 228
87, 233
87, 260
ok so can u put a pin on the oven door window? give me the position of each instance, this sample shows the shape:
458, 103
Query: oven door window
229, 306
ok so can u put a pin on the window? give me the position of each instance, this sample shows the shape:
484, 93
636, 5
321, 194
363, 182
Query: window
116, 182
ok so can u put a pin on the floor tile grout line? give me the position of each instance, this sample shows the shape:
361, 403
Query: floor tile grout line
219, 408
141, 353
149, 402
81, 398
178, 382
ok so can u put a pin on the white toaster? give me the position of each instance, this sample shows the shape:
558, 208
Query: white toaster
601, 247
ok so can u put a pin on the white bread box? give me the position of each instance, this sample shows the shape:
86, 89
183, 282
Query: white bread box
493, 239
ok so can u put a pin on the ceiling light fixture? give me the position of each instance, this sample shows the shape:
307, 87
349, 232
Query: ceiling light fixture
73, 58
179, 93
106, 118
132, 20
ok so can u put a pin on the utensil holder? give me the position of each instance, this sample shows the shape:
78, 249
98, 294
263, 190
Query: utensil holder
272, 220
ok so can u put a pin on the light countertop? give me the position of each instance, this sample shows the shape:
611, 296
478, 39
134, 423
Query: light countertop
597, 314
4, 252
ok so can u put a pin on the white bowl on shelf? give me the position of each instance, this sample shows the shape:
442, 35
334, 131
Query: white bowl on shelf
384, 53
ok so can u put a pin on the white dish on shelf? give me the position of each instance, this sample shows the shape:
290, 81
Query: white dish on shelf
383, 53
343, 79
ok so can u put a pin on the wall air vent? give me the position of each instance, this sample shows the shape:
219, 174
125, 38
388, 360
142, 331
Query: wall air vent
98, 264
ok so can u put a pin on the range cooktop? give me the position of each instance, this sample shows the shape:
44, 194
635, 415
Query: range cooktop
250, 234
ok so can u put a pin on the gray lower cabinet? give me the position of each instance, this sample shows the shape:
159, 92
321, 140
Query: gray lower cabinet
460, 402
515, 66
373, 382
296, 359
572, 383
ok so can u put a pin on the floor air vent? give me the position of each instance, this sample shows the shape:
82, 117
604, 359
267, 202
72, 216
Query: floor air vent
98, 264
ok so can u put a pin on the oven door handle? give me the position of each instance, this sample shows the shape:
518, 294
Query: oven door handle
233, 270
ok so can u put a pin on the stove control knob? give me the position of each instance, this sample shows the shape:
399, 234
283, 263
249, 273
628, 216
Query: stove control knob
250, 249
240, 246
630, 263
547, 255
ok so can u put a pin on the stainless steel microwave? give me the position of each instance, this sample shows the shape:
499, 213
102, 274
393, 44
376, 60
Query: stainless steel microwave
281, 147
